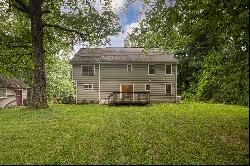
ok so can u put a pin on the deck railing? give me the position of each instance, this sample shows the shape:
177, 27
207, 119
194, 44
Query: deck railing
130, 97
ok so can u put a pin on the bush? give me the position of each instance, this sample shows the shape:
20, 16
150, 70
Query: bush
25, 102
70, 99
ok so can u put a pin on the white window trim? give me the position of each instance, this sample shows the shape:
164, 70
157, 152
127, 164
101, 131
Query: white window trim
171, 88
131, 67
88, 88
5, 93
148, 69
166, 69
146, 88
87, 65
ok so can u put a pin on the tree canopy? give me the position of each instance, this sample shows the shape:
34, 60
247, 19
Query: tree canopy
33, 31
211, 41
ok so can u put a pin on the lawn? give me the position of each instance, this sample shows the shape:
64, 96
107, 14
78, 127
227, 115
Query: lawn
187, 133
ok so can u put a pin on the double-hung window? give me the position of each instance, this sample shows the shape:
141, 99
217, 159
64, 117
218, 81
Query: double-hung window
3, 93
88, 70
168, 69
151, 69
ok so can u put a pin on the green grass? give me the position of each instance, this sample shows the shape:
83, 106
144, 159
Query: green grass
188, 133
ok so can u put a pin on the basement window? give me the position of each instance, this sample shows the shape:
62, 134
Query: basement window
129, 67
147, 87
3, 93
168, 89
88, 87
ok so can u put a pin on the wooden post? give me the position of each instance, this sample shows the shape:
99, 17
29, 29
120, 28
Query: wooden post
115, 96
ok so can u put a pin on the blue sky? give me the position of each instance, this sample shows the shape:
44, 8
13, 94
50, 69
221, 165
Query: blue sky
128, 19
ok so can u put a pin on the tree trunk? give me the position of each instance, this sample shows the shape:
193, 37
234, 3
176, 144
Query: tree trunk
39, 99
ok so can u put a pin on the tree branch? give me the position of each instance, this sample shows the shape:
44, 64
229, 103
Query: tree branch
16, 41
46, 11
82, 35
21, 6
90, 7
19, 46
21, 3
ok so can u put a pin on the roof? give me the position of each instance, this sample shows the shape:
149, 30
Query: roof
120, 55
11, 83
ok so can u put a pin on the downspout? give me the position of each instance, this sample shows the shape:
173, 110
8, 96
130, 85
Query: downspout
72, 78
176, 84
22, 96
76, 92
99, 82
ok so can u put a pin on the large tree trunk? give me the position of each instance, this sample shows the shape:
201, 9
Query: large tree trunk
39, 99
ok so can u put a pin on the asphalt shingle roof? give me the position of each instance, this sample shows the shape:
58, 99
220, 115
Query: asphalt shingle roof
120, 55
11, 83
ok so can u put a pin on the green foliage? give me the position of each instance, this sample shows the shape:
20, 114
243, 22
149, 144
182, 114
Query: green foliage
63, 24
211, 41
224, 79
59, 79
70, 99
15, 45
161, 134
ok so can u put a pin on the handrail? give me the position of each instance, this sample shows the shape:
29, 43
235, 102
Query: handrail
129, 92
130, 97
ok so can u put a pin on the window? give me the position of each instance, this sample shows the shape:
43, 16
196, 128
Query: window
88, 87
168, 69
3, 93
129, 67
147, 87
88, 70
151, 69
168, 89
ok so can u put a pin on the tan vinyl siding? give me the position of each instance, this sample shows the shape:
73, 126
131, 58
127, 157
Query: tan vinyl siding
11, 98
113, 75
81, 80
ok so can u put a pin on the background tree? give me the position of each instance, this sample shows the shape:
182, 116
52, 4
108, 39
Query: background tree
51, 23
59, 78
211, 41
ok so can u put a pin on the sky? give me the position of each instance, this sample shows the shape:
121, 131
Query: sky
129, 19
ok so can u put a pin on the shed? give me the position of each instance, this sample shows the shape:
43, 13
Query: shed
13, 92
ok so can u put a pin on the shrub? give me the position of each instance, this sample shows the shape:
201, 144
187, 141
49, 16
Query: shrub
70, 99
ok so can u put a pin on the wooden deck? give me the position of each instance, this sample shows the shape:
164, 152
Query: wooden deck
129, 98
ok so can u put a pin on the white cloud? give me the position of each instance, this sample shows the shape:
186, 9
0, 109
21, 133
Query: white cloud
118, 5
118, 41
129, 28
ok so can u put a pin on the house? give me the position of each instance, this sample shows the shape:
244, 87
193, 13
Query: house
124, 73
12, 92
